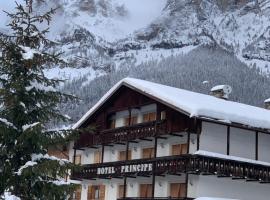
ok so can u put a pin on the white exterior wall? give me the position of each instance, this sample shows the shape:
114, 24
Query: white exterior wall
242, 143
213, 138
264, 147
211, 186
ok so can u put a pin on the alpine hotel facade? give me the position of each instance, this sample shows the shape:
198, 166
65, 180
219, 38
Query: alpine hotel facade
144, 140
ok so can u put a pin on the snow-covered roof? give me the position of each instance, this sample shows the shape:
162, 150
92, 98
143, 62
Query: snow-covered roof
267, 100
192, 104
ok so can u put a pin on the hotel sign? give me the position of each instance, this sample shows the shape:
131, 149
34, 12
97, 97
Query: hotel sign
133, 168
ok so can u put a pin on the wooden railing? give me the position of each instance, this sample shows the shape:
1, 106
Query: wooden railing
193, 164
123, 134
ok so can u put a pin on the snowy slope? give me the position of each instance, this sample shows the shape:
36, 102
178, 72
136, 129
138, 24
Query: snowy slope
106, 34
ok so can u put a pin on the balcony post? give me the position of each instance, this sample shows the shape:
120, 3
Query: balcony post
228, 139
74, 155
125, 178
154, 168
102, 153
257, 146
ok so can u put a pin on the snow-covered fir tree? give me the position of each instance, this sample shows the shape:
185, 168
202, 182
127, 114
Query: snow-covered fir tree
28, 102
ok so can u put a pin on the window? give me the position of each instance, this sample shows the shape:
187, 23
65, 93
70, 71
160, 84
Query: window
96, 192
78, 159
149, 117
145, 190
178, 190
120, 191
179, 149
122, 155
148, 153
76, 194
133, 120
97, 157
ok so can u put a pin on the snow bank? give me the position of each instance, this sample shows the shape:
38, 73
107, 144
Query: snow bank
193, 104
227, 157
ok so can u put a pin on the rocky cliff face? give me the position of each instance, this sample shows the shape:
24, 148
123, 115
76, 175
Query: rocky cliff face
104, 34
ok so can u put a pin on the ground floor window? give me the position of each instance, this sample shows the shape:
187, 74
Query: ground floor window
145, 190
178, 190
96, 192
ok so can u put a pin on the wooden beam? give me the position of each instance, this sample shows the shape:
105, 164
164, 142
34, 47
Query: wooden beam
257, 146
188, 142
177, 135
154, 168
74, 156
102, 153
145, 139
228, 139
161, 137
120, 143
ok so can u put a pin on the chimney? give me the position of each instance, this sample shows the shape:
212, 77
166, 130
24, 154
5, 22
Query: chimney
267, 104
221, 91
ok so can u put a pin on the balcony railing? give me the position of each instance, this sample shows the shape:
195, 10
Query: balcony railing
174, 165
123, 134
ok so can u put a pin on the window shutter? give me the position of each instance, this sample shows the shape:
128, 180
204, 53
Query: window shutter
145, 190
78, 159
178, 190
120, 191
176, 149
102, 192
148, 153
97, 157
184, 149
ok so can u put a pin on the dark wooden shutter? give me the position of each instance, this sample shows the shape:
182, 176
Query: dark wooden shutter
148, 153
120, 191
97, 157
145, 190
178, 190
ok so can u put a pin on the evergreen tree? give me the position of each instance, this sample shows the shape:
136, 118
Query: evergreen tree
28, 102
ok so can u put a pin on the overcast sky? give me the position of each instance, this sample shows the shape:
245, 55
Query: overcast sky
7, 5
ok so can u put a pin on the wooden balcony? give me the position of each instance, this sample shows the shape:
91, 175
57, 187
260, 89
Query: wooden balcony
123, 134
175, 165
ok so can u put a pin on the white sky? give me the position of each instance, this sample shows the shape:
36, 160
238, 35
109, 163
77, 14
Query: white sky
7, 5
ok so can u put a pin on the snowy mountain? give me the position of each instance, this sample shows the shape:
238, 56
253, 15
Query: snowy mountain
106, 37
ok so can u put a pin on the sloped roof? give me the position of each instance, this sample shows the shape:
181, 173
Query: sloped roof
192, 104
